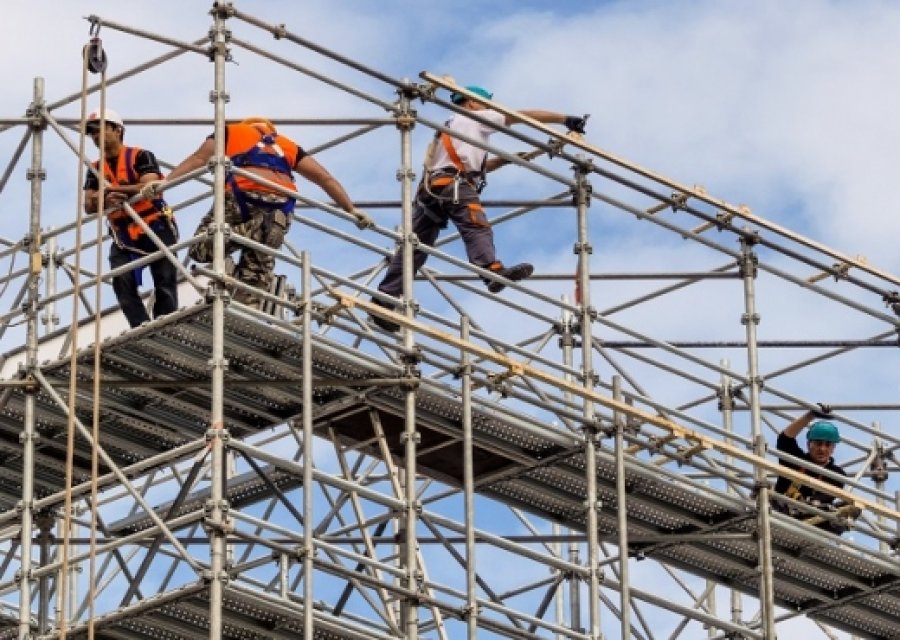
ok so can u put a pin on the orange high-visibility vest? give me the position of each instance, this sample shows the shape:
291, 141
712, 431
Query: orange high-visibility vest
126, 175
249, 147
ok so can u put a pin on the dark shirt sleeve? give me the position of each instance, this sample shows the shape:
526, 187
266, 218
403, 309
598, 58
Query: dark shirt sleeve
145, 163
300, 155
90, 182
787, 444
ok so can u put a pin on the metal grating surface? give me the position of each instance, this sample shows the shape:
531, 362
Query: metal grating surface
524, 462
183, 614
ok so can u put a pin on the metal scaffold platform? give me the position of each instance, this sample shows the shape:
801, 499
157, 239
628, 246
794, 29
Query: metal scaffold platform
519, 465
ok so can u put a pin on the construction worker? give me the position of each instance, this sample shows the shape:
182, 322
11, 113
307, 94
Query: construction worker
450, 188
254, 210
125, 171
822, 438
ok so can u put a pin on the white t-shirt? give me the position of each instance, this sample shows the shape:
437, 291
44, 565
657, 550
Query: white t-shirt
471, 157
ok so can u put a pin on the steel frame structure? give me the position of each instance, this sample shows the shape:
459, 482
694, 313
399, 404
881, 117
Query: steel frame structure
298, 473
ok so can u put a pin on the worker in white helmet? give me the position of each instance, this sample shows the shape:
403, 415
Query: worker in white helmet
125, 170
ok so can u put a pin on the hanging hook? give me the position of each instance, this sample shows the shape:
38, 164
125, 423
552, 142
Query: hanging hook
94, 55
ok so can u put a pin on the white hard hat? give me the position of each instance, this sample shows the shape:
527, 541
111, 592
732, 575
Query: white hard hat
110, 116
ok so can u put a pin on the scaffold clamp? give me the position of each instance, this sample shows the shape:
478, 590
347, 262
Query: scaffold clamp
892, 300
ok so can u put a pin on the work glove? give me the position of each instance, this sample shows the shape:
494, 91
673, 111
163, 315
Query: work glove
823, 411
363, 221
576, 123
152, 188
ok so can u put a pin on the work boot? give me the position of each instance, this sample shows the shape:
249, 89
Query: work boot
515, 273
384, 323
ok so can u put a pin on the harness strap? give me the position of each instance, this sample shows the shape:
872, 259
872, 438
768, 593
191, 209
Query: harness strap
451, 151
265, 154
241, 198
125, 230
129, 165
476, 178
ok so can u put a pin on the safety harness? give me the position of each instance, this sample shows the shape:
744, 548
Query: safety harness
795, 492
125, 232
455, 174
265, 154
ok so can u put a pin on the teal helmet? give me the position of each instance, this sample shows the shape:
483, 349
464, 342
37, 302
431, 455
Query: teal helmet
458, 98
824, 431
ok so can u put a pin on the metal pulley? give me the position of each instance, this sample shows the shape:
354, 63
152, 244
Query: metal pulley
94, 55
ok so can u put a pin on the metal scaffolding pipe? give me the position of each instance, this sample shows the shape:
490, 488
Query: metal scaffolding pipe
218, 432
589, 379
36, 175
750, 320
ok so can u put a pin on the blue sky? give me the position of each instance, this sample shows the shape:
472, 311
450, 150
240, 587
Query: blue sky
790, 108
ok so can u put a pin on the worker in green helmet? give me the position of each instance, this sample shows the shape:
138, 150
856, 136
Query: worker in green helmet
450, 191
822, 437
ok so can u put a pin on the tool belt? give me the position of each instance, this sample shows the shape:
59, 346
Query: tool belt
446, 176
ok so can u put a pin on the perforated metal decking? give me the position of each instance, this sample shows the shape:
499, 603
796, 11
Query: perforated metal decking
154, 401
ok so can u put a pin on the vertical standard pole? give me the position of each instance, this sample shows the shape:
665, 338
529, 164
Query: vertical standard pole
622, 513
405, 175
468, 483
45, 522
750, 320
567, 344
217, 508
409, 550
726, 406
592, 503
36, 176
308, 549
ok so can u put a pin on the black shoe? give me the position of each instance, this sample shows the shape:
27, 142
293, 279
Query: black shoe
515, 273
384, 323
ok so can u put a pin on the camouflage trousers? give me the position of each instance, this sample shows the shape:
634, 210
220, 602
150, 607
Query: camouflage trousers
265, 225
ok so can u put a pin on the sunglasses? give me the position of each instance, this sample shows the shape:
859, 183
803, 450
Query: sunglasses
93, 128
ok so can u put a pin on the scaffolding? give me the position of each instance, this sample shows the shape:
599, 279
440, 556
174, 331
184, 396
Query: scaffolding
294, 471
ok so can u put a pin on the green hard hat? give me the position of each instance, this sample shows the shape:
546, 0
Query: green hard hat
824, 431
458, 98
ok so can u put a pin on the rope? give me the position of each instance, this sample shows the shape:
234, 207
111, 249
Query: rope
93, 60
62, 623
98, 305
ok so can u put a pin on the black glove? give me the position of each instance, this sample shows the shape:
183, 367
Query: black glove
575, 123
823, 411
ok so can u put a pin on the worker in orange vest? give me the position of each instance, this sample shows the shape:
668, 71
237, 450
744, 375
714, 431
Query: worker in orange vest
254, 210
125, 171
